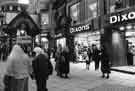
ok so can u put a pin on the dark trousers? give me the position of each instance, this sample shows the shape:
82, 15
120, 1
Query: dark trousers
41, 84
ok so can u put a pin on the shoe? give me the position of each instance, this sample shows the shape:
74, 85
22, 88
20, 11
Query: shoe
107, 77
61, 76
103, 76
66, 77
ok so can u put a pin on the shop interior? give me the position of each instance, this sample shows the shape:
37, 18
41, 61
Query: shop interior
61, 41
84, 40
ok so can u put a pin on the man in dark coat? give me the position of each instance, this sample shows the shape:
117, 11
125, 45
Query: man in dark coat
105, 66
42, 68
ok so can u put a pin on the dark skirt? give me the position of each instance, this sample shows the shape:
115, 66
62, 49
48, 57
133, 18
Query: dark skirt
12, 84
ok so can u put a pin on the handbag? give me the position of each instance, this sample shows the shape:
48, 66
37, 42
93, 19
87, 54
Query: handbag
7, 82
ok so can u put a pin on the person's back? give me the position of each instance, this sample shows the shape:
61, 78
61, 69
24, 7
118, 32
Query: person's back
41, 66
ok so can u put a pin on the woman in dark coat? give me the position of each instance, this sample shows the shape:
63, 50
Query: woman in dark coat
65, 64
105, 66
58, 59
95, 56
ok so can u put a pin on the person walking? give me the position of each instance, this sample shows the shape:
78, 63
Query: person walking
42, 68
18, 70
89, 53
66, 62
58, 59
105, 66
95, 56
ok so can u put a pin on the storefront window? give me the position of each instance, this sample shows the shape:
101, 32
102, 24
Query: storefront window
83, 11
61, 41
83, 41
74, 13
116, 5
44, 18
92, 8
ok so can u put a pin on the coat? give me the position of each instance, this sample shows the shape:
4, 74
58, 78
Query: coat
42, 66
65, 63
18, 70
105, 66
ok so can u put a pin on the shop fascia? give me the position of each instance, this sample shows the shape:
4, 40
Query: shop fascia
122, 17
80, 28
58, 35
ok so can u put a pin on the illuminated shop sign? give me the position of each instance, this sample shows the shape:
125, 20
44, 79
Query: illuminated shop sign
58, 35
122, 17
80, 28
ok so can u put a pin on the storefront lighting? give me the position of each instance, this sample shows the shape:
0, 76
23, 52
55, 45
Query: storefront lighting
22, 32
23, 1
116, 38
122, 28
44, 40
36, 40
129, 27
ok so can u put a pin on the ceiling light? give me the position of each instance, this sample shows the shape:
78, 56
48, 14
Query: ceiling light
129, 27
23, 1
122, 28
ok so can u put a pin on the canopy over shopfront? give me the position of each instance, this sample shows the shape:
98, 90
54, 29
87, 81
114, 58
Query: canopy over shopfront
25, 22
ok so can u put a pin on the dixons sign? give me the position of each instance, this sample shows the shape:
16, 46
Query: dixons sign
80, 28
122, 17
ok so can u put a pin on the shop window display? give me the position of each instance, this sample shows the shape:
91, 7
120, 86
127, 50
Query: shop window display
83, 41
130, 37
61, 41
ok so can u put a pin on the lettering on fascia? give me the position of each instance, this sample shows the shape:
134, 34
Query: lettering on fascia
80, 28
123, 17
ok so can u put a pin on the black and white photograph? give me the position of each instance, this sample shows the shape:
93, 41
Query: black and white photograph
67, 45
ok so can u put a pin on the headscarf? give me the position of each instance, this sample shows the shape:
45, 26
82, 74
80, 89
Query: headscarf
17, 53
16, 58
39, 50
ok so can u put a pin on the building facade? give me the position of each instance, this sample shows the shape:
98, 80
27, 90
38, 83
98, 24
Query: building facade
77, 24
117, 22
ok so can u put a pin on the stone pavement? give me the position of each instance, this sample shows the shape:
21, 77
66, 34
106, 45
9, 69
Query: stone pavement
86, 80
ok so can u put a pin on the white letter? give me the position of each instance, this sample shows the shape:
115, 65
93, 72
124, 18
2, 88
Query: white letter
131, 15
113, 19
124, 17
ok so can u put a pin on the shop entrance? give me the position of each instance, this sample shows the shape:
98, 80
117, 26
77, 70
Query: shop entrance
83, 41
123, 43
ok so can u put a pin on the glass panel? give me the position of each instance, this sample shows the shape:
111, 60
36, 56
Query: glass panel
44, 18
74, 13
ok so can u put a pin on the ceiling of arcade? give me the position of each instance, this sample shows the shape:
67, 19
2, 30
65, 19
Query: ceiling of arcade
34, 5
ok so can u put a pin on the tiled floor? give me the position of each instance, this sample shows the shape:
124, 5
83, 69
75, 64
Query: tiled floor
87, 80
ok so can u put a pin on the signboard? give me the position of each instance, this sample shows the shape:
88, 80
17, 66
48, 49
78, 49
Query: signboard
59, 35
24, 39
122, 17
125, 15
80, 28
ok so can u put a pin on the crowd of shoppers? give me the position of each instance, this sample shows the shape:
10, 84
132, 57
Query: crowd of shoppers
62, 61
20, 67
98, 56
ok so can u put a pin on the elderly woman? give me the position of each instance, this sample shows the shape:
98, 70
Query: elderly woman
18, 69
42, 68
